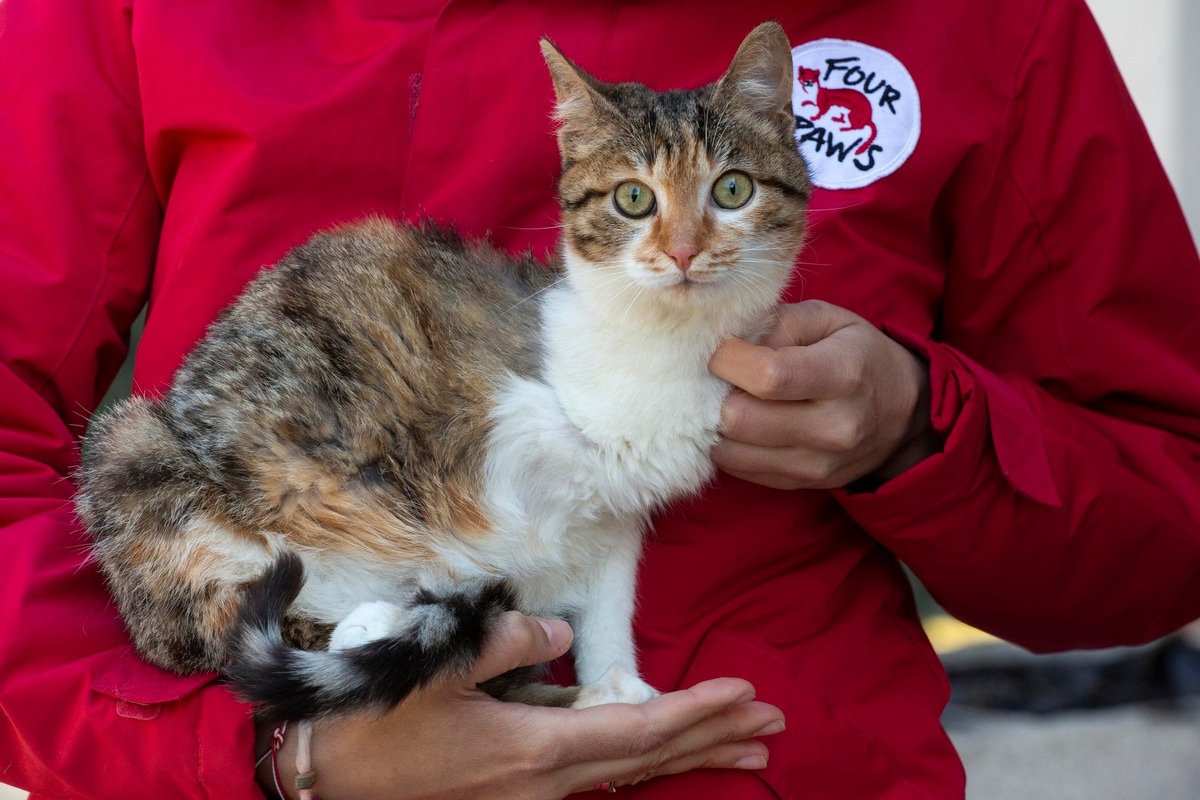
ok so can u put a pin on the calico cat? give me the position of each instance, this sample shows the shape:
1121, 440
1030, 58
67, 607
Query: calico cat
396, 435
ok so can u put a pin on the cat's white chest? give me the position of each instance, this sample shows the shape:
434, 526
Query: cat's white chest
594, 454
562, 496
616, 427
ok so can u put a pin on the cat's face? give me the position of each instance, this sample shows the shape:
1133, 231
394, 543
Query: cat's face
686, 202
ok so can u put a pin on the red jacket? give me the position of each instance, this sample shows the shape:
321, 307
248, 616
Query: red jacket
1007, 219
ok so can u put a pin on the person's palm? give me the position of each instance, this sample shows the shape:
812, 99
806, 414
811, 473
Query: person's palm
453, 741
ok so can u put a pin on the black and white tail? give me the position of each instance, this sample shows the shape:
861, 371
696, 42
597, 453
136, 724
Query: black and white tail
284, 682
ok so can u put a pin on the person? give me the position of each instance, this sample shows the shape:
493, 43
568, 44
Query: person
986, 369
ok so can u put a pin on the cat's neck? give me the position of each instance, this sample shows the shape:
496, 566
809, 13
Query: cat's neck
637, 376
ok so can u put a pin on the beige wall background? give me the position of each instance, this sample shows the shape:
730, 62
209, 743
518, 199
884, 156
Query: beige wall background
1156, 46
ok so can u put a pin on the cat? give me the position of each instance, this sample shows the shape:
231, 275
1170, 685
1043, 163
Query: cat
395, 434
858, 106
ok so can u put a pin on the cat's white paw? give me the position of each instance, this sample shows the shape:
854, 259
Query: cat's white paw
616, 686
368, 622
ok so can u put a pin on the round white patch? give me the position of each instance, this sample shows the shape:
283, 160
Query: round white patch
858, 115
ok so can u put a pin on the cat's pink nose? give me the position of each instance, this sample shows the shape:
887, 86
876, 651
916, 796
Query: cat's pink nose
683, 254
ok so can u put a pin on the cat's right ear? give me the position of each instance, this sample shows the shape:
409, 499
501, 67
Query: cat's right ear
760, 77
582, 111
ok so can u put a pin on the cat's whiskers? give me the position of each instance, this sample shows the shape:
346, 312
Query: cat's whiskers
758, 248
620, 276
753, 281
799, 266
543, 290
796, 265
632, 302
796, 272
828, 209
543, 228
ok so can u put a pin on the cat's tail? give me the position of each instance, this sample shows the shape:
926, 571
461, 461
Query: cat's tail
444, 636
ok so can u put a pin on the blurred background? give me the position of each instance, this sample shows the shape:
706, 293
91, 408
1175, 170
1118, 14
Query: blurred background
1111, 725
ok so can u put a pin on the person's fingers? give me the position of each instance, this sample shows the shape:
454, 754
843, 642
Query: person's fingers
517, 640
735, 724
770, 423
721, 739
757, 369
749, 754
619, 730
823, 425
806, 323
777, 467
828, 368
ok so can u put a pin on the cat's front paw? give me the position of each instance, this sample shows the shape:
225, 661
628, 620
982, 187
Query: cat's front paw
368, 622
616, 686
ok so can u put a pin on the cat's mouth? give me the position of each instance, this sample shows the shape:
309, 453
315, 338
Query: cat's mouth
695, 279
687, 286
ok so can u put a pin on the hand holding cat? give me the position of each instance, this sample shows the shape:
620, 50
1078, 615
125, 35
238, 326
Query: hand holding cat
824, 400
452, 740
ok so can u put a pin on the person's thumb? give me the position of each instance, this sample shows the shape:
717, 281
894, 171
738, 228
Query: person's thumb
516, 640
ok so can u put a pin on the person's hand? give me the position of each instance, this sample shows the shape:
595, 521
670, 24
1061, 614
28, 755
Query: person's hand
452, 741
825, 400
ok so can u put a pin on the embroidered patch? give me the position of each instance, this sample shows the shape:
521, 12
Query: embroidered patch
858, 115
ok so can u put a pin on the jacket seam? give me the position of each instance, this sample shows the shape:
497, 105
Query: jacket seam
1022, 68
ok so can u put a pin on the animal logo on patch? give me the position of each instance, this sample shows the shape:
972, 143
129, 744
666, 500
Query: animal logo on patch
856, 106
858, 113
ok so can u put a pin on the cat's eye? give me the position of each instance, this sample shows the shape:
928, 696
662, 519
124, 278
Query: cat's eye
733, 189
634, 199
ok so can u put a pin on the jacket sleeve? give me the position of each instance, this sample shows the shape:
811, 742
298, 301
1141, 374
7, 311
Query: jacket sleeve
1064, 511
80, 714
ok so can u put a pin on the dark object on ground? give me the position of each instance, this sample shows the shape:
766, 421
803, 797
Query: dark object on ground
1006, 677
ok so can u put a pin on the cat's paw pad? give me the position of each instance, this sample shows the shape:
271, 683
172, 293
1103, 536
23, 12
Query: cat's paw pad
368, 622
616, 686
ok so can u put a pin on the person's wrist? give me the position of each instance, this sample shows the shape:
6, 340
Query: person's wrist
920, 446
285, 760
919, 441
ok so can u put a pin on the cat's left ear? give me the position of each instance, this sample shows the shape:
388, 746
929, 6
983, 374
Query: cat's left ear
582, 110
760, 77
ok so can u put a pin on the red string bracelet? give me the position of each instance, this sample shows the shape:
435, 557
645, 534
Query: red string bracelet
305, 778
276, 743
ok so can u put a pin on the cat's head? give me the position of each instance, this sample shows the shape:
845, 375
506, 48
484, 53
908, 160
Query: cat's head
808, 76
684, 203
